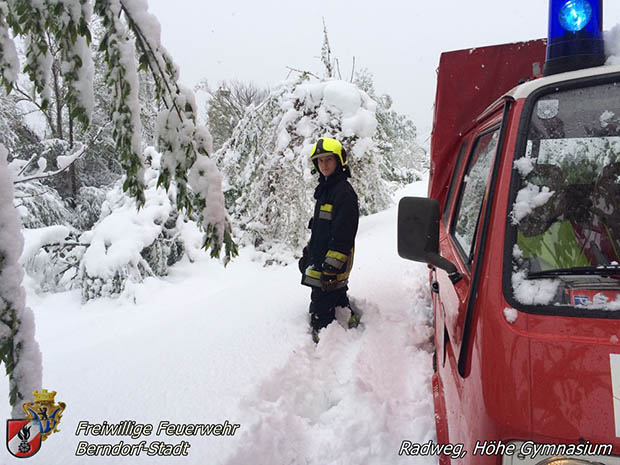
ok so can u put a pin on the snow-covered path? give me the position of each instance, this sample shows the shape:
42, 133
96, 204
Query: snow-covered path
206, 345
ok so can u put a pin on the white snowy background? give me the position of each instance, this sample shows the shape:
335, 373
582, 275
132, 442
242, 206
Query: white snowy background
208, 344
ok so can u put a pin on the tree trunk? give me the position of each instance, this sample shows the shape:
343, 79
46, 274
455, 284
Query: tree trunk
58, 95
72, 168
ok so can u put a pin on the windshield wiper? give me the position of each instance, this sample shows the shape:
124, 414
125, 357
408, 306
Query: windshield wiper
605, 271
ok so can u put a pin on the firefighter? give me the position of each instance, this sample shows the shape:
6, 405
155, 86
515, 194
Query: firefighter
328, 257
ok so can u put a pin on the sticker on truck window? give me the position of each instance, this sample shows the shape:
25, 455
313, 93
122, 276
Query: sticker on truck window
590, 297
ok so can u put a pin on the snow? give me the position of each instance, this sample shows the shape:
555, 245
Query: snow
9, 62
205, 179
524, 165
26, 376
612, 45
529, 198
511, 315
606, 117
127, 61
83, 85
533, 292
63, 161
355, 106
148, 23
208, 344
117, 240
34, 239
11, 241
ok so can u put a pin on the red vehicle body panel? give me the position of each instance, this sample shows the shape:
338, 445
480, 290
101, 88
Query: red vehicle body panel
544, 378
468, 81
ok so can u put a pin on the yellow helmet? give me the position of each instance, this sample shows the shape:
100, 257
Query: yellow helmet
326, 146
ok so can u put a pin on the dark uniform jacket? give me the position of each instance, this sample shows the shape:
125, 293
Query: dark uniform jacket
334, 226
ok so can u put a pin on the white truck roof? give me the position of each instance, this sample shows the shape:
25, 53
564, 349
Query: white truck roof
525, 89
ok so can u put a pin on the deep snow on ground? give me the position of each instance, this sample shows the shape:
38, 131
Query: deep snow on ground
208, 344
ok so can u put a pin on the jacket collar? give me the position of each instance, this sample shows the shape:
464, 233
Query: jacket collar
326, 183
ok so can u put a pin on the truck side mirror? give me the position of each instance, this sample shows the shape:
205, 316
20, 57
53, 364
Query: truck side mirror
418, 233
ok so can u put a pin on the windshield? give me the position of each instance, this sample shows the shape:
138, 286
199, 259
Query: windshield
567, 208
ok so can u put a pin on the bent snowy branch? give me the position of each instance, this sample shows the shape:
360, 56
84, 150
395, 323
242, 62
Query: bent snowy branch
64, 162
185, 146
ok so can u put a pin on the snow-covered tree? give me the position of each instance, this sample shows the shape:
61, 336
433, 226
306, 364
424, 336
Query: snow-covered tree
127, 245
402, 158
227, 105
40, 205
326, 54
268, 179
129, 30
14, 132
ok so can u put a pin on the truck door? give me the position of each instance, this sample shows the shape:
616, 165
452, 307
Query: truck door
458, 242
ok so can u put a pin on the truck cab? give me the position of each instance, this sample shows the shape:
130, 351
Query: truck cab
521, 231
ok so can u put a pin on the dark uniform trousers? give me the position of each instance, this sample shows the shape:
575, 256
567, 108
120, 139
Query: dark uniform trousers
323, 306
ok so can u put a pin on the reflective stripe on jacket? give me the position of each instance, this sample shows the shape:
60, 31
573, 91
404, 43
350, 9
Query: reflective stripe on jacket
334, 226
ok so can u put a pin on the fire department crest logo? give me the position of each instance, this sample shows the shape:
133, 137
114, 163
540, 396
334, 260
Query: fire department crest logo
24, 436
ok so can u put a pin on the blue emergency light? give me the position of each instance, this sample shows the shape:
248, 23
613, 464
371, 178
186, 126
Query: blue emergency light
575, 35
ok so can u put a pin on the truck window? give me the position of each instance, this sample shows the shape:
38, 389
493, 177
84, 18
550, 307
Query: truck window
566, 209
473, 190
454, 183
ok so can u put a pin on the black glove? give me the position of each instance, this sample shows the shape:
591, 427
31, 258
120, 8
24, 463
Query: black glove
304, 260
328, 277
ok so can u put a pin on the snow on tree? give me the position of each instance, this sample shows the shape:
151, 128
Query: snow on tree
188, 172
14, 132
402, 158
227, 104
266, 163
129, 29
19, 350
326, 54
127, 244
40, 206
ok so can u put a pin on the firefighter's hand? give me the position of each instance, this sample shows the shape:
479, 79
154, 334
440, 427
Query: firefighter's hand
328, 278
303, 261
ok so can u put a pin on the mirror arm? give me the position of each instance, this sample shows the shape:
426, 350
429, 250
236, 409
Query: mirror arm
455, 277
441, 262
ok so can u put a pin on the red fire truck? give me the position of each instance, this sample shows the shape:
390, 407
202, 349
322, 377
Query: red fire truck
521, 231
